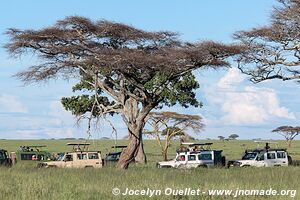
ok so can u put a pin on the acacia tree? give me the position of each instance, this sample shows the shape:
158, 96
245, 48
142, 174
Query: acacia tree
222, 138
288, 132
273, 51
233, 137
166, 126
139, 70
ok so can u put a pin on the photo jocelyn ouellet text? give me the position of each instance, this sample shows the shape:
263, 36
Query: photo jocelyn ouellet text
198, 192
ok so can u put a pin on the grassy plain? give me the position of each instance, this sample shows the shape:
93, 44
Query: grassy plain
24, 181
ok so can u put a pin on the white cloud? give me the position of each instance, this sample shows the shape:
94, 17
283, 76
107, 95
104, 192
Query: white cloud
244, 105
59, 115
10, 103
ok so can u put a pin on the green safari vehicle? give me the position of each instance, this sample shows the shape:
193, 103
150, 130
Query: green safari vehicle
32, 153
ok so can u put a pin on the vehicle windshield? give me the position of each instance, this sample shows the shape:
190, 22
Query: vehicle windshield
112, 157
60, 157
2, 155
249, 156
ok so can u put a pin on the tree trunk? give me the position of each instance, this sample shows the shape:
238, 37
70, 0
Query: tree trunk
134, 117
141, 156
289, 143
129, 153
165, 155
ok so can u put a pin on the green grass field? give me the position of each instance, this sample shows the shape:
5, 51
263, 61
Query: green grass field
25, 181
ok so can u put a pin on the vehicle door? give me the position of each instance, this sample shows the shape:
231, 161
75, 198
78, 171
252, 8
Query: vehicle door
69, 161
260, 160
271, 159
81, 160
94, 159
192, 161
181, 160
282, 159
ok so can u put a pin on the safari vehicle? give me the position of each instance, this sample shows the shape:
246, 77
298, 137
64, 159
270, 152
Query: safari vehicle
263, 157
4, 158
32, 153
79, 157
113, 157
193, 156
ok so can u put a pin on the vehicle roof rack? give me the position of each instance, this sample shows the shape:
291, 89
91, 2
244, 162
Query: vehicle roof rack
36, 146
77, 146
118, 147
196, 143
194, 146
271, 149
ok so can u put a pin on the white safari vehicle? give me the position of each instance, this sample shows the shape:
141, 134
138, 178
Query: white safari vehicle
263, 157
193, 156
78, 158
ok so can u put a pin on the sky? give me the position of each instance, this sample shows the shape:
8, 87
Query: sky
231, 103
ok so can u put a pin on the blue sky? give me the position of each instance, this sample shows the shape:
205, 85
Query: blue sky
232, 104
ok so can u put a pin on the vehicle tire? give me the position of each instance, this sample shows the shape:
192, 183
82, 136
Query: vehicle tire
290, 160
50, 166
223, 161
228, 165
202, 166
9, 162
40, 165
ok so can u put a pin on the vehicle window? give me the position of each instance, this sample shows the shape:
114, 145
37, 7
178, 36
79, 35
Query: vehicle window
281, 155
205, 156
249, 156
59, 157
69, 157
260, 157
93, 156
181, 158
192, 157
112, 157
40, 157
27, 156
271, 156
81, 156
2, 156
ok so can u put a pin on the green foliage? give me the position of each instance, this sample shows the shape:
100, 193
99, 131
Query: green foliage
83, 103
233, 136
180, 90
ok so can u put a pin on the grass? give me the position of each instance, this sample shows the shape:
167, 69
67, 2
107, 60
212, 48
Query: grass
24, 181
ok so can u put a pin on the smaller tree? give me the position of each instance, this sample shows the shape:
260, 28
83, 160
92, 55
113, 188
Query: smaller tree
221, 137
167, 126
233, 136
288, 132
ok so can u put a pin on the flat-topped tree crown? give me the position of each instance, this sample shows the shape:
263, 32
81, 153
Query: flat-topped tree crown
273, 51
139, 69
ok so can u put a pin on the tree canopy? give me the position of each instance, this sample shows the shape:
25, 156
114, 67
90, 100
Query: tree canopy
136, 69
288, 132
273, 51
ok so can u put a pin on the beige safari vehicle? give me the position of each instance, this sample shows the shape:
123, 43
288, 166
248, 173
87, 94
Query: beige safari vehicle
80, 157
